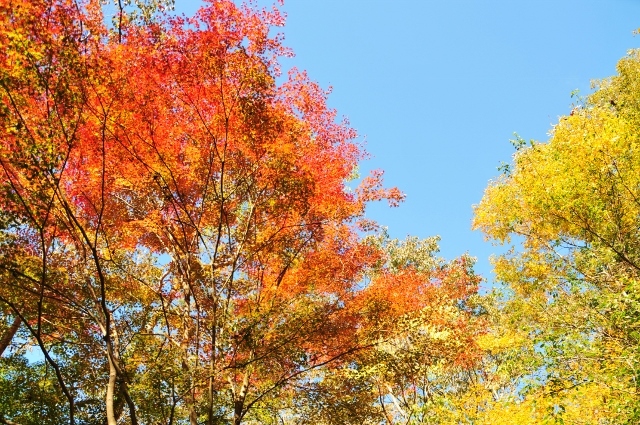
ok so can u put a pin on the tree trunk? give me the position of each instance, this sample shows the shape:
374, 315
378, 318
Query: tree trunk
237, 412
9, 334
111, 415
240, 397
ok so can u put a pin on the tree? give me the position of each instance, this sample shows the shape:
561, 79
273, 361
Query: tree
178, 238
573, 202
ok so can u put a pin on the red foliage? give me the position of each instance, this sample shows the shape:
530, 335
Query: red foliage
174, 141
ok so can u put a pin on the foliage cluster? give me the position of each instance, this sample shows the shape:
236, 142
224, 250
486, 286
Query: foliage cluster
178, 241
571, 311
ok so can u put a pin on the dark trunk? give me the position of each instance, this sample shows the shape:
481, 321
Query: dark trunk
9, 334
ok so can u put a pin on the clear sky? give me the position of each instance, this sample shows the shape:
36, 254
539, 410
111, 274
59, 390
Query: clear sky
437, 89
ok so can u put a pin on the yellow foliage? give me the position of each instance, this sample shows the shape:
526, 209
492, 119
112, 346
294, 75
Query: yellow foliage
573, 303
495, 344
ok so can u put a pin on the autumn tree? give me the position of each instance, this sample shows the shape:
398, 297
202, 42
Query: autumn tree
572, 305
178, 239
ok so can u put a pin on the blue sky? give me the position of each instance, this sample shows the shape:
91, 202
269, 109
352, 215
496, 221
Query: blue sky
437, 89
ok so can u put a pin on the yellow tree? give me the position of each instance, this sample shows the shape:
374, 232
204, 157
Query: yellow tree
574, 204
